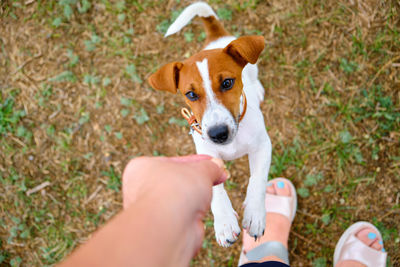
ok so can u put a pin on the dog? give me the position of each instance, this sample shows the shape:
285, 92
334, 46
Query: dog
220, 85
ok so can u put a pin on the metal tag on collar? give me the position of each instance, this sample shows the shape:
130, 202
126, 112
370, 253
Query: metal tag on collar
192, 128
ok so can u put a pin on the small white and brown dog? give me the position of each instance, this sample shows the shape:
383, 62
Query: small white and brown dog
221, 87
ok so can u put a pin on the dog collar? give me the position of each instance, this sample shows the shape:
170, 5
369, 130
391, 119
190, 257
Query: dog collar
195, 125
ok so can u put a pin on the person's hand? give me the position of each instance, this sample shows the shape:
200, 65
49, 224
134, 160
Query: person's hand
177, 193
165, 200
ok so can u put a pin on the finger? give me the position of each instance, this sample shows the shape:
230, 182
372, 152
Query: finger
201, 157
189, 158
212, 170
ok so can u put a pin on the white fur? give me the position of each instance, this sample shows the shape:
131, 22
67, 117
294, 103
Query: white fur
215, 113
251, 139
200, 9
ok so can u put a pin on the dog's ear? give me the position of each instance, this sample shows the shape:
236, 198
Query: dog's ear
166, 78
245, 49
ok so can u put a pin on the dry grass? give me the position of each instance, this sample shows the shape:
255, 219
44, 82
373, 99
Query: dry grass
331, 70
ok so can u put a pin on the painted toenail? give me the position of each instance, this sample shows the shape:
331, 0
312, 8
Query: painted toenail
280, 184
383, 250
269, 184
380, 242
371, 235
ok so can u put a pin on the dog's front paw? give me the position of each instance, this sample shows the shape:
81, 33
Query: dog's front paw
254, 217
226, 228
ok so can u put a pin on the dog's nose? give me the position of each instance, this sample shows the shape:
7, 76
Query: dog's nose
218, 134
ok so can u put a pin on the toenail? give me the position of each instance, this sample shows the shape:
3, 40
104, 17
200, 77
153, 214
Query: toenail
380, 242
280, 184
269, 184
230, 242
383, 250
371, 235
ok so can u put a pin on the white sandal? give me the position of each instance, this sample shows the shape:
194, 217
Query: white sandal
284, 205
349, 247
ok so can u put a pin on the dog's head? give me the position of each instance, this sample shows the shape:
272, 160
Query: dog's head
211, 82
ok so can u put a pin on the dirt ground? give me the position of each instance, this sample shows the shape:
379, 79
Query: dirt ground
75, 107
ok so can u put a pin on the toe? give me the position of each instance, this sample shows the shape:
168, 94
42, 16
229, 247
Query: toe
376, 245
282, 188
271, 188
368, 236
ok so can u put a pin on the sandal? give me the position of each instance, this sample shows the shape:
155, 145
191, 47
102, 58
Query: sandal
285, 206
349, 247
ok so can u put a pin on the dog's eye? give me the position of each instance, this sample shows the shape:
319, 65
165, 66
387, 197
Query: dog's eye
227, 84
192, 96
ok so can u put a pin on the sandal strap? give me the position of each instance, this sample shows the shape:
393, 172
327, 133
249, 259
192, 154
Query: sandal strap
279, 204
271, 248
356, 250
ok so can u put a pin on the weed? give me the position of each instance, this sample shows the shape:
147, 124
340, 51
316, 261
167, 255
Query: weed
164, 24
201, 37
230, 185
375, 105
44, 94
90, 79
302, 67
179, 122
243, 5
319, 262
131, 71
24, 133
91, 44
9, 117
56, 22
114, 179
160, 109
224, 14
347, 149
73, 58
348, 66
290, 155
125, 112
85, 117
66, 76
141, 117
118, 135
188, 36
313, 179
359, 46
126, 101
106, 81
303, 192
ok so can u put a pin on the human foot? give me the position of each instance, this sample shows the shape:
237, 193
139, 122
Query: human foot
360, 245
280, 205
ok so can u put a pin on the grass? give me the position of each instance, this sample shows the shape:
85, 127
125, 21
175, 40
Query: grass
75, 107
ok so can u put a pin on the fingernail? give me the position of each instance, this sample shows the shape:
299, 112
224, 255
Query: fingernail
383, 250
371, 235
380, 242
220, 163
269, 184
280, 184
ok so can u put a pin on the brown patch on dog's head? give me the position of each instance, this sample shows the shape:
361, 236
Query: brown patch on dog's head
223, 64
